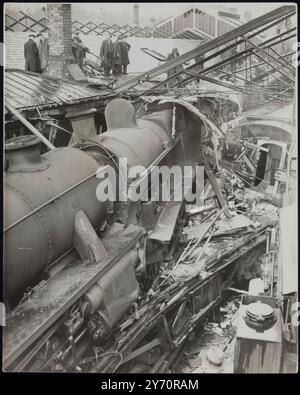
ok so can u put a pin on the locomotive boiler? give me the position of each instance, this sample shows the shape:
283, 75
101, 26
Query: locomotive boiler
54, 224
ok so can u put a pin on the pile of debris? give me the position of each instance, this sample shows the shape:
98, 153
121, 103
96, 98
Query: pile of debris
212, 350
209, 257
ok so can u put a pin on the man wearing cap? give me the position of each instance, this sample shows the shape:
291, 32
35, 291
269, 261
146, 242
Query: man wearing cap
31, 55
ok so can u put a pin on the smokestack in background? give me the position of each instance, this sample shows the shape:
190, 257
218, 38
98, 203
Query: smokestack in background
136, 14
247, 16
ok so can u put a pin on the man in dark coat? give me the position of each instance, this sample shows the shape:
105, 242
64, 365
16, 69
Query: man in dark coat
31, 54
43, 48
174, 54
107, 54
125, 47
117, 57
200, 66
79, 50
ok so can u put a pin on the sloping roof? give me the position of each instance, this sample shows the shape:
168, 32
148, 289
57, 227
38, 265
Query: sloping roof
25, 89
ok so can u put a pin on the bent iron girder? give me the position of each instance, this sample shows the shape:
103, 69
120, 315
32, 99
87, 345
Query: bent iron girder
261, 21
234, 58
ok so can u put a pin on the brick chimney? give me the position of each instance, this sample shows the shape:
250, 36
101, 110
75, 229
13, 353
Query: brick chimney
60, 39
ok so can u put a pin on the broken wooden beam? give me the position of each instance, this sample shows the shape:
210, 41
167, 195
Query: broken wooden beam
216, 188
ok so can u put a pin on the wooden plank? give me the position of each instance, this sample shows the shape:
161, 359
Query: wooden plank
76, 72
166, 223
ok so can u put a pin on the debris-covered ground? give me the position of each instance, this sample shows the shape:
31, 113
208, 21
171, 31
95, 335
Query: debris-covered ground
211, 348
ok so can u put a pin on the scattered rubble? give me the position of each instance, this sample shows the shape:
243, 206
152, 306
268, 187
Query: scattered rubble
212, 350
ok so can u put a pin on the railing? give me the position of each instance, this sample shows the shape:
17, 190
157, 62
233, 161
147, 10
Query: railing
193, 18
26, 23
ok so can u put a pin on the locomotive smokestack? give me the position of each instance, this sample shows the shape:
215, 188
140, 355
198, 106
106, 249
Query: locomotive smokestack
119, 113
23, 154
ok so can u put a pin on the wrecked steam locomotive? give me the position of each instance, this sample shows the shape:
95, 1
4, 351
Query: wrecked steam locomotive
52, 248
87, 279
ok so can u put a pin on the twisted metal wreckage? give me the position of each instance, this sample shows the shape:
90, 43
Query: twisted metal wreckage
99, 287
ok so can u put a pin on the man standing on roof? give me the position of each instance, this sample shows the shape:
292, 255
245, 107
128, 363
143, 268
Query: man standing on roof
117, 57
174, 54
43, 48
199, 59
125, 47
107, 53
31, 55
78, 50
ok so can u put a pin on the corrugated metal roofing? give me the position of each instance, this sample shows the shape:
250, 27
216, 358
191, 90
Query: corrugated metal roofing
25, 89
